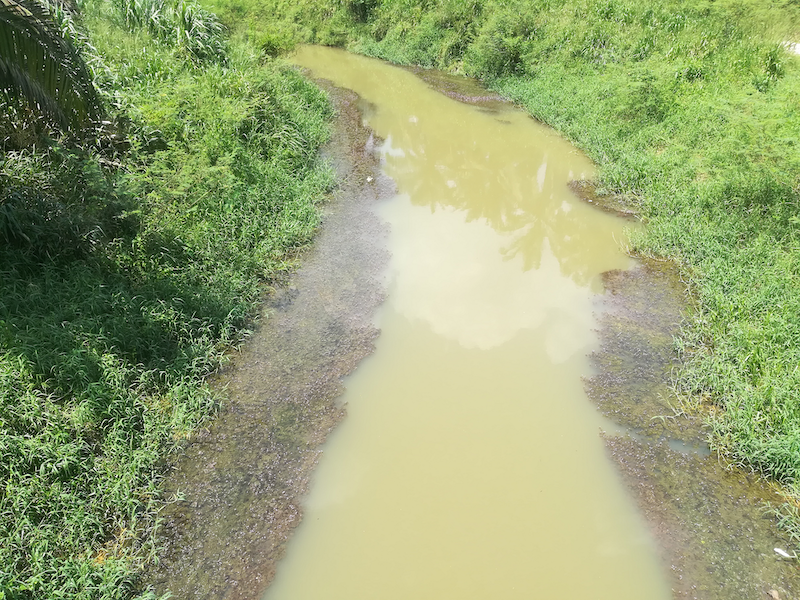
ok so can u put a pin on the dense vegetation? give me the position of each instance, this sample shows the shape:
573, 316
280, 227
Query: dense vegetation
690, 109
132, 254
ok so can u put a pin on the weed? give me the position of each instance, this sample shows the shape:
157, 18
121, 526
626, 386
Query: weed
124, 280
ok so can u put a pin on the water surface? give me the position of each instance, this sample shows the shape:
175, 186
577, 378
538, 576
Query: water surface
470, 463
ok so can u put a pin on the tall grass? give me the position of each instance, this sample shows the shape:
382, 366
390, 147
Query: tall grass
128, 265
180, 23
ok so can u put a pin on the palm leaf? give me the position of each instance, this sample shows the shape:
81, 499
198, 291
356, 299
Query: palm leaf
38, 66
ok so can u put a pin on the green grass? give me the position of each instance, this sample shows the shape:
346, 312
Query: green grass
690, 110
129, 264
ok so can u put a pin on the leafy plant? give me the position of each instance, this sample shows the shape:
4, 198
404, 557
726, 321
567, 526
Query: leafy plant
178, 23
41, 68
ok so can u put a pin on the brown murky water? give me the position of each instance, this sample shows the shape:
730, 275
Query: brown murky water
471, 464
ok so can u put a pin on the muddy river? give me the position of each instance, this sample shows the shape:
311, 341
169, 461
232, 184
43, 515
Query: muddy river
510, 433
470, 463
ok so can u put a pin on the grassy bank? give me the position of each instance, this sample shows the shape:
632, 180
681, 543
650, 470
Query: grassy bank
690, 111
129, 262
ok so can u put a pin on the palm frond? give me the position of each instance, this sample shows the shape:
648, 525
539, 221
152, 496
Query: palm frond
40, 67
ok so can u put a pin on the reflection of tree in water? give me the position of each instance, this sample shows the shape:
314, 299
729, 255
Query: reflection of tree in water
508, 182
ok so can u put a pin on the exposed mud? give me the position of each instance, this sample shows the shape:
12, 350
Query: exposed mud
642, 310
241, 483
716, 538
616, 204
462, 89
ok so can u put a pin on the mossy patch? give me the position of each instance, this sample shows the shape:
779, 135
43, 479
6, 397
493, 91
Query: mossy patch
716, 537
623, 206
712, 523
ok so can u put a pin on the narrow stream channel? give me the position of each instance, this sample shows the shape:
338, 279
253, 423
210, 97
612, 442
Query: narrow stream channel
470, 464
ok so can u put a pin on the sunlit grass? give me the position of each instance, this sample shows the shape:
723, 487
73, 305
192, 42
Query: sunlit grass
127, 269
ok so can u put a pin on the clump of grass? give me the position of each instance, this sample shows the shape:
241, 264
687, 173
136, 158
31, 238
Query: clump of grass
182, 24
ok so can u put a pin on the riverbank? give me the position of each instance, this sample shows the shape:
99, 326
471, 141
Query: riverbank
241, 482
130, 262
689, 112
699, 510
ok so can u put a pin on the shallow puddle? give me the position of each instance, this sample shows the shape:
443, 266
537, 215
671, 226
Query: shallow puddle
470, 464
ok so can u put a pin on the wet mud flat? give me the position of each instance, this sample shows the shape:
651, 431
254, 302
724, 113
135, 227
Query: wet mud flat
710, 520
238, 486
462, 89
